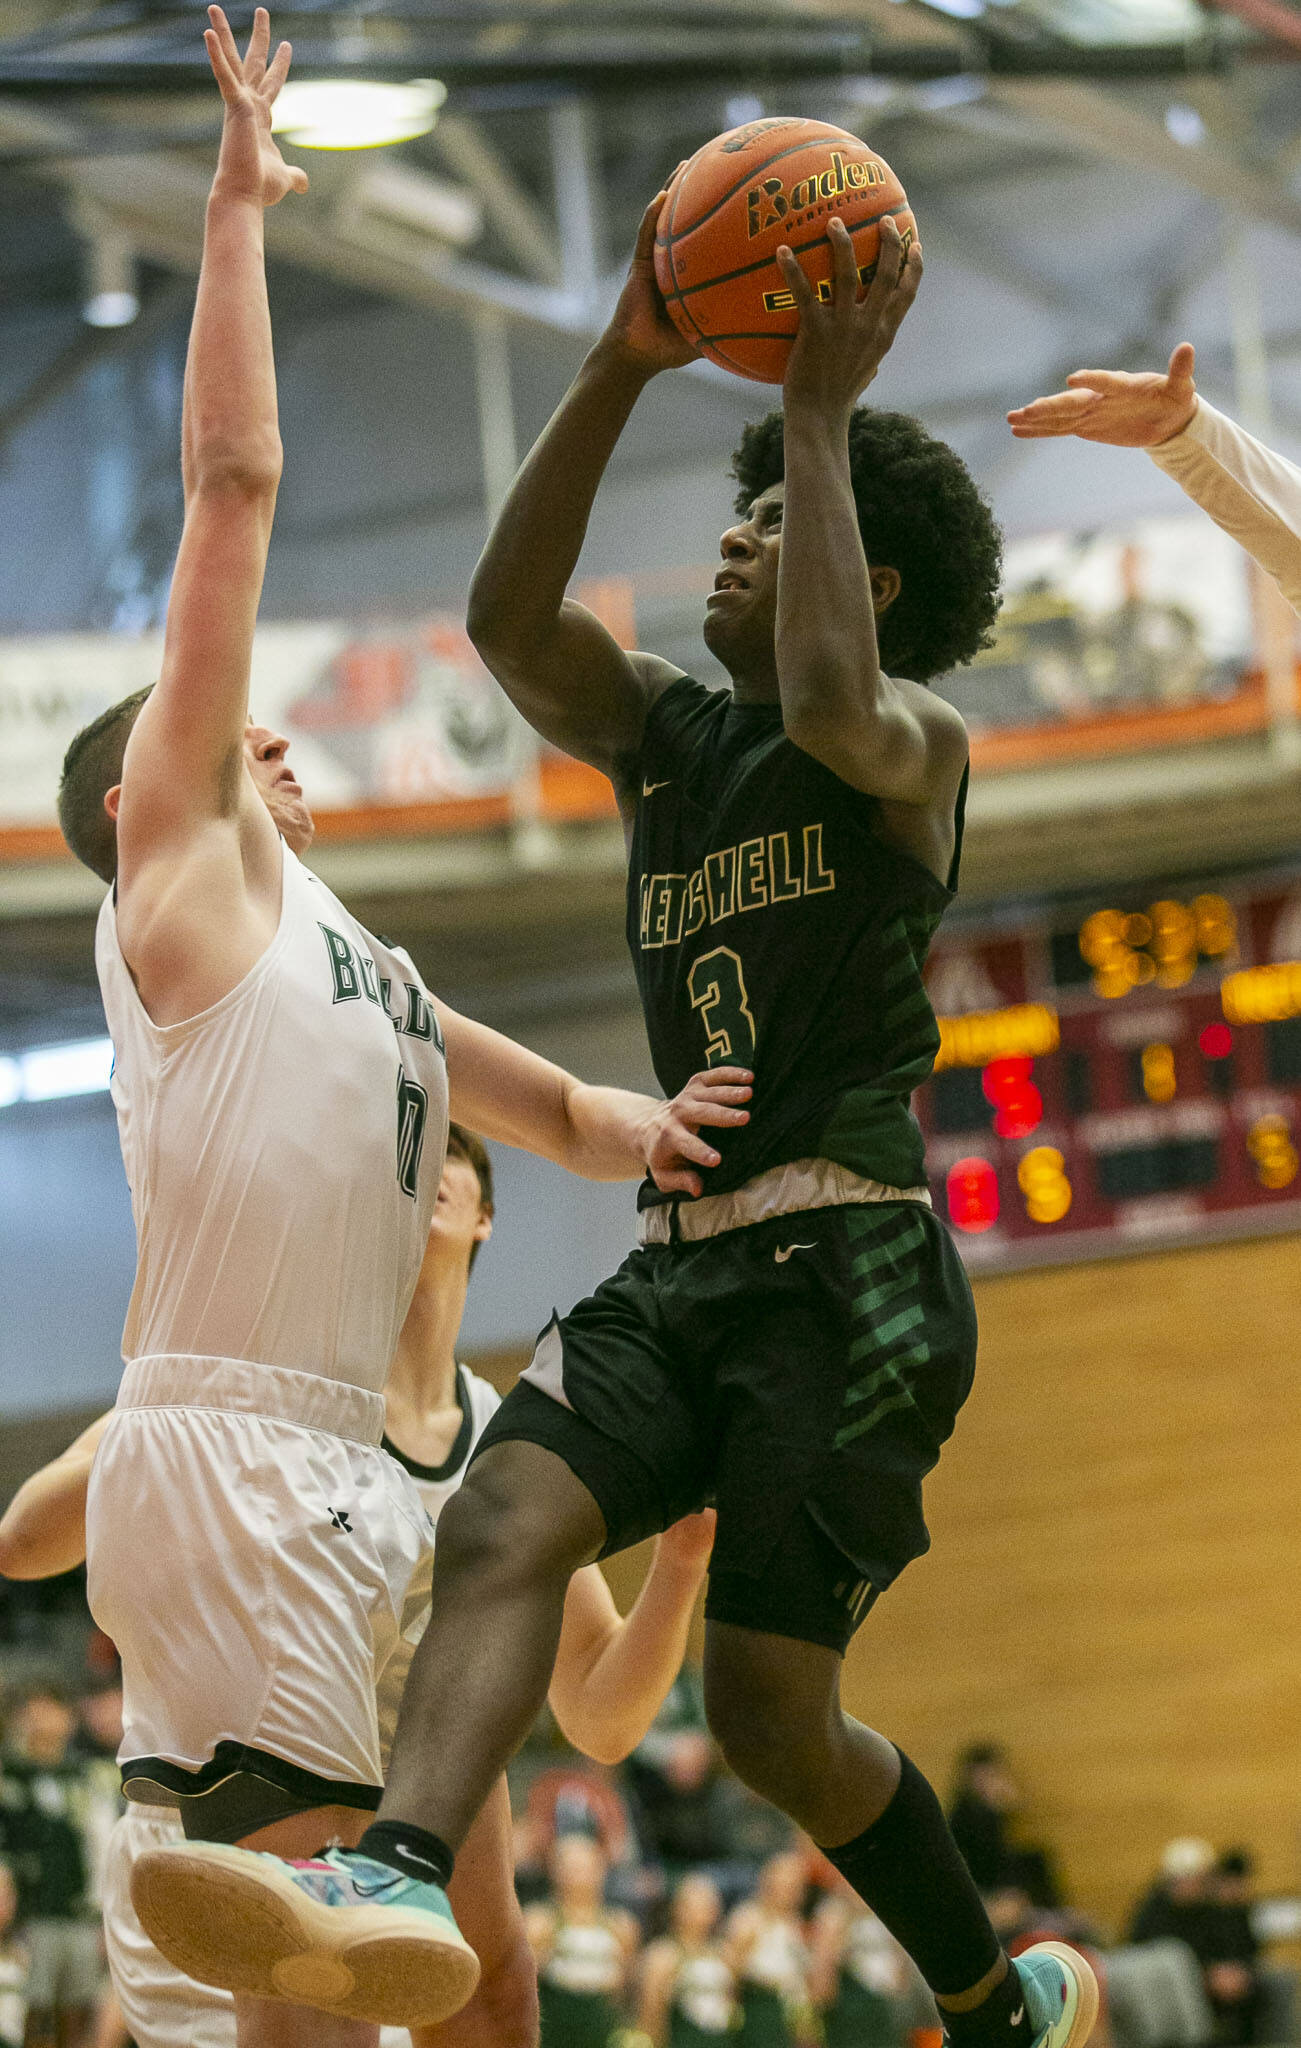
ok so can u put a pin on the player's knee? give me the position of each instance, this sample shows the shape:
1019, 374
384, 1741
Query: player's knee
494, 1528
755, 1746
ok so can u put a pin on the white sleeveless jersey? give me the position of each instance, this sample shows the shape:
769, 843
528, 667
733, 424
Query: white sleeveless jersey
436, 1484
283, 1148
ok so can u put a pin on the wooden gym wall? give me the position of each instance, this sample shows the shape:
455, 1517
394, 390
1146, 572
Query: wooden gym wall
1113, 1585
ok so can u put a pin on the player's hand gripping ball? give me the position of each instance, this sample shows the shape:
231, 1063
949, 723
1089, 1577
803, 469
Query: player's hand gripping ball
733, 204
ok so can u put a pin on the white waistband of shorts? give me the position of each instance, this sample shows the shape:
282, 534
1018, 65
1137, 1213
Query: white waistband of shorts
781, 1191
239, 1386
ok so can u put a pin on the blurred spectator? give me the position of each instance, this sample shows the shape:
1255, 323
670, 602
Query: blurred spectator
1205, 1904
13, 1966
687, 1985
42, 1814
768, 1949
868, 1992
983, 1813
691, 1813
584, 1949
1175, 1907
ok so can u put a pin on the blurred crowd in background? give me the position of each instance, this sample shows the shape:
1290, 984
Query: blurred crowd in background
666, 1905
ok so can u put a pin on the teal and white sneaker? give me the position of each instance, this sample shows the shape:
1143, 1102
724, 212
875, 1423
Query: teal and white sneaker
1061, 1994
340, 1932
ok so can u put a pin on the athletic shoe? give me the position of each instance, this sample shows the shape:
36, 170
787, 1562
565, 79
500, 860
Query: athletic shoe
1061, 1994
336, 1931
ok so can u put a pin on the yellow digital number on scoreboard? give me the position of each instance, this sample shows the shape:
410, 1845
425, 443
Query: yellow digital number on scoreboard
1163, 945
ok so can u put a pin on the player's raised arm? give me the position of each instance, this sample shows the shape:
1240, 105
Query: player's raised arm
613, 1673
509, 1093
890, 739
183, 765
1248, 490
43, 1529
555, 660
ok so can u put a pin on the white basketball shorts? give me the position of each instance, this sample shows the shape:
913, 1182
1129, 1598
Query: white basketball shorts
161, 2007
249, 1551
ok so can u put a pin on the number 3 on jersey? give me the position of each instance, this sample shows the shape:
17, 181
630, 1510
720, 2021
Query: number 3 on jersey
717, 989
413, 1108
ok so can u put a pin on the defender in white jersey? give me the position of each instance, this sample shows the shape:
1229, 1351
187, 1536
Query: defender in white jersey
611, 1674
1250, 491
282, 1093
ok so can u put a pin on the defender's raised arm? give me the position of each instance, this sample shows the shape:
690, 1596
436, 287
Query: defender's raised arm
183, 771
556, 662
1251, 492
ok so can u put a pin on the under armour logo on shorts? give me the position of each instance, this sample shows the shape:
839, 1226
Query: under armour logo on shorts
339, 1520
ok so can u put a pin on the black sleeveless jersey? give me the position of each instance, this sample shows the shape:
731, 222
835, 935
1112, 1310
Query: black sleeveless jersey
773, 927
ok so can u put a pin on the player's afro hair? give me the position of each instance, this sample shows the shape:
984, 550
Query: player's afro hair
919, 512
91, 766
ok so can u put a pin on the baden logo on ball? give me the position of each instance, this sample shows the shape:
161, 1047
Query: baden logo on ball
731, 207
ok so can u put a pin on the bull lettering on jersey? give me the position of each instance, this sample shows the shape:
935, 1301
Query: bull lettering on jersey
343, 966
355, 975
750, 876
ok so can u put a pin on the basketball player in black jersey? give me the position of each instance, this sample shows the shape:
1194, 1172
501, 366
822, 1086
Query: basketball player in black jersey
796, 1342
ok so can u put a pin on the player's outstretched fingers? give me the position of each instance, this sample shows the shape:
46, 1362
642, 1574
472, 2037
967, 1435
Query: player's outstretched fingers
223, 55
259, 42
277, 73
225, 36
789, 265
889, 264
844, 270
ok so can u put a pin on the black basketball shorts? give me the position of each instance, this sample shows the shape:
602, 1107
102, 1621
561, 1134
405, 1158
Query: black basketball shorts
800, 1373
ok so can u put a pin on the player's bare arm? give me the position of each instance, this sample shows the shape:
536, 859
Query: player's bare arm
198, 853
1249, 490
891, 739
1118, 407
557, 663
613, 1673
509, 1093
43, 1529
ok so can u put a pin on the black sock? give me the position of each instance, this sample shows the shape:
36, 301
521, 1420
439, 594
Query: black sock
411, 1850
997, 2020
909, 1870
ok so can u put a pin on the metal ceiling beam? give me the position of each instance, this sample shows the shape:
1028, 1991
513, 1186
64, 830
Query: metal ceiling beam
519, 221
1107, 127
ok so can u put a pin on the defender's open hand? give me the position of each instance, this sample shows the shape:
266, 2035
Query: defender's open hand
1115, 406
712, 1099
841, 346
641, 327
250, 165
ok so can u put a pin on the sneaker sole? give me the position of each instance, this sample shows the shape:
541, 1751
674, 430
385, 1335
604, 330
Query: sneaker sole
253, 1930
1086, 1984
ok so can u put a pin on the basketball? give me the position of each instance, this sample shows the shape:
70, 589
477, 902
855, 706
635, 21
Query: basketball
730, 208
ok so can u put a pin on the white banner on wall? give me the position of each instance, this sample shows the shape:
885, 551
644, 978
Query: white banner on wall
396, 716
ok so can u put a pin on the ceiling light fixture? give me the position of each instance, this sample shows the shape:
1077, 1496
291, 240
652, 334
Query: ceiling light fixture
49, 1072
111, 296
356, 113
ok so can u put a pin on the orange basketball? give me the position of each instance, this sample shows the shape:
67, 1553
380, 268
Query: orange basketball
730, 208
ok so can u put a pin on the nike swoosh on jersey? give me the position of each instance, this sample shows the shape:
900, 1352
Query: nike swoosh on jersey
649, 788
781, 1254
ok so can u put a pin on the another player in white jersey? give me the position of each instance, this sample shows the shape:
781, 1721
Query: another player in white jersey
611, 1675
1250, 491
281, 1083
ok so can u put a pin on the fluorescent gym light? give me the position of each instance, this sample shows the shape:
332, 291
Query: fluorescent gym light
49, 1072
356, 113
111, 296
1184, 125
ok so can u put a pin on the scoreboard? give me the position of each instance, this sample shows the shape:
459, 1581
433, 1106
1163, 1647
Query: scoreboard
1119, 1072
